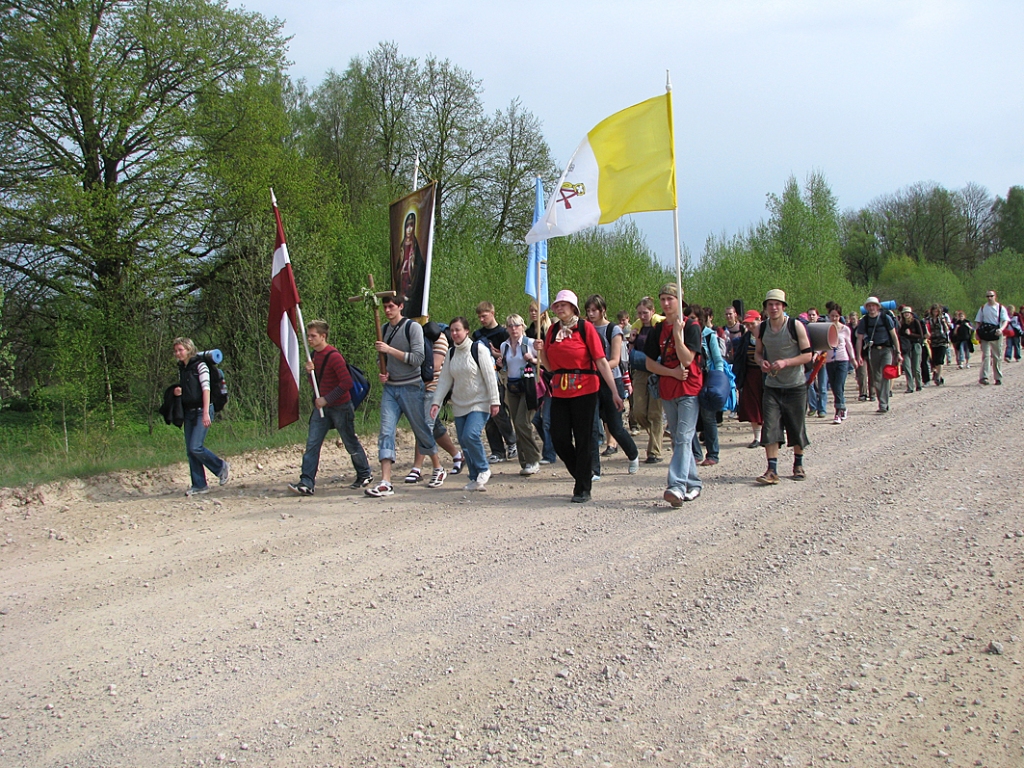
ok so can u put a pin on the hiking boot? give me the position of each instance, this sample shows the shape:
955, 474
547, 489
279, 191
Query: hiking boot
437, 477
768, 478
361, 482
300, 489
798, 472
379, 491
673, 497
222, 476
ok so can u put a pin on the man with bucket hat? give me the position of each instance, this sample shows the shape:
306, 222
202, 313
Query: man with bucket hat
782, 349
877, 337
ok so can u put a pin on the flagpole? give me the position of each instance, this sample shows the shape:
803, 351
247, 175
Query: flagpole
302, 331
416, 171
538, 280
675, 211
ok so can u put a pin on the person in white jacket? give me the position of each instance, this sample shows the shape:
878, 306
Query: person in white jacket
469, 376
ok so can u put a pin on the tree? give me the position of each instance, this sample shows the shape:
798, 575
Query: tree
517, 155
1009, 220
861, 249
450, 131
103, 196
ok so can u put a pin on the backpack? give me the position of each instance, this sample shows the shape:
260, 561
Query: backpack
218, 384
473, 350
360, 382
623, 364
360, 385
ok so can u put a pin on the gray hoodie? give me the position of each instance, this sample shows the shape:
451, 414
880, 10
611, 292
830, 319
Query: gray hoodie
408, 337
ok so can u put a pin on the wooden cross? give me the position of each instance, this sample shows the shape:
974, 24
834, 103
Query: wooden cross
373, 299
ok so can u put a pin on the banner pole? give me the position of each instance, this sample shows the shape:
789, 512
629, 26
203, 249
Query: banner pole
675, 211
309, 357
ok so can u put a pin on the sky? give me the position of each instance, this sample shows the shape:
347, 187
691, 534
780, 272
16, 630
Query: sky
875, 95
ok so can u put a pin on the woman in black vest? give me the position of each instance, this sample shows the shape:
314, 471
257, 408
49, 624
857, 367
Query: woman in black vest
194, 389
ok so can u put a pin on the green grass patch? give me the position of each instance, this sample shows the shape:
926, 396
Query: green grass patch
33, 449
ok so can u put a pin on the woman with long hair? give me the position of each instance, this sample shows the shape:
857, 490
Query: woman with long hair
194, 390
838, 362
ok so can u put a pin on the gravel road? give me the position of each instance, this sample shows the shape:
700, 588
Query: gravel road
870, 616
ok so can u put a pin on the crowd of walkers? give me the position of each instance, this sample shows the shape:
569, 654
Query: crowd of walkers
559, 388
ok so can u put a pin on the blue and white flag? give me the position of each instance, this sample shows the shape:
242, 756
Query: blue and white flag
538, 257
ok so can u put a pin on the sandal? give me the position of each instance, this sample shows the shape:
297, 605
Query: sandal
437, 478
457, 463
382, 489
414, 476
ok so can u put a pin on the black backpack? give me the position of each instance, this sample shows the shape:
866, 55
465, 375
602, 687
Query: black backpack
218, 384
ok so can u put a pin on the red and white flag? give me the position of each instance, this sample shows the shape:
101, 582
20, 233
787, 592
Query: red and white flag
281, 327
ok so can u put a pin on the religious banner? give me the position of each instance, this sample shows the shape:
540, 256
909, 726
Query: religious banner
412, 230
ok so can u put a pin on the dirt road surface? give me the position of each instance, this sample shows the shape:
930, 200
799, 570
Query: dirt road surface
869, 616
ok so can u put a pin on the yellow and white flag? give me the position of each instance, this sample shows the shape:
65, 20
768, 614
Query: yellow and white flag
626, 164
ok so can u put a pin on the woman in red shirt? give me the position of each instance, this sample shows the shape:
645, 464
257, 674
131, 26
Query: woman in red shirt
572, 351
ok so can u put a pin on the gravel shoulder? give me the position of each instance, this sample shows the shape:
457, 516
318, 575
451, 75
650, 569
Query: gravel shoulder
868, 616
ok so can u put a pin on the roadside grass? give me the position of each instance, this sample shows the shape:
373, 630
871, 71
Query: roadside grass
32, 445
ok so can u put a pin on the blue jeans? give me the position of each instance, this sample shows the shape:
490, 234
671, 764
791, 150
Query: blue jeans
1013, 348
198, 454
394, 402
837, 372
681, 419
342, 418
709, 420
470, 428
817, 393
542, 421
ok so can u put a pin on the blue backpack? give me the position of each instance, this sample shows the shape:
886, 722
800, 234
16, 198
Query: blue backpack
360, 385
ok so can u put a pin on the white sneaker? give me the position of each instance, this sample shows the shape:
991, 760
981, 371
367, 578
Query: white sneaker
530, 469
838, 419
472, 485
691, 494
634, 465
482, 478
222, 476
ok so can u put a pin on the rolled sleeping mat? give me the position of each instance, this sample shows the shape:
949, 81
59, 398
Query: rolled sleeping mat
214, 354
823, 336
890, 305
